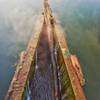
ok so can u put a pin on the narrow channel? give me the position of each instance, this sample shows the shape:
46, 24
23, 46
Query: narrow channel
42, 82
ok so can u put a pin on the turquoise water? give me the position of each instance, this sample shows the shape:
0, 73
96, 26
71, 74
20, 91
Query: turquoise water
80, 20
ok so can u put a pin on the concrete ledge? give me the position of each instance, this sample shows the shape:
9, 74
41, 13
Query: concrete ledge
18, 83
76, 86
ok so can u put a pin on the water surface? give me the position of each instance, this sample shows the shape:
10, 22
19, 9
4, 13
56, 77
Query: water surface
17, 23
80, 20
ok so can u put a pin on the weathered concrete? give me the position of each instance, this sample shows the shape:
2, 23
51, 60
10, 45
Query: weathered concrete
76, 85
22, 73
44, 81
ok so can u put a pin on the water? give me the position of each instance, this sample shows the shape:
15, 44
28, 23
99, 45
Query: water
81, 22
17, 21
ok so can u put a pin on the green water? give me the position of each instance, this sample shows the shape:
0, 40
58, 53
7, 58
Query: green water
80, 20
17, 23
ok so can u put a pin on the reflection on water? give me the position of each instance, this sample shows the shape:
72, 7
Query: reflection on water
81, 22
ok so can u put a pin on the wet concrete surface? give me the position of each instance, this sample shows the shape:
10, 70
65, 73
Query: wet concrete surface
42, 82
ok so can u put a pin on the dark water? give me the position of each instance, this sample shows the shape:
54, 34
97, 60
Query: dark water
81, 22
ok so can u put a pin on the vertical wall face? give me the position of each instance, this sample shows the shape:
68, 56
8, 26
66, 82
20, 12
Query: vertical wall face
27, 90
75, 90
66, 90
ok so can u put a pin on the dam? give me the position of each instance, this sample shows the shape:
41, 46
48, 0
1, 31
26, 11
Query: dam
47, 70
